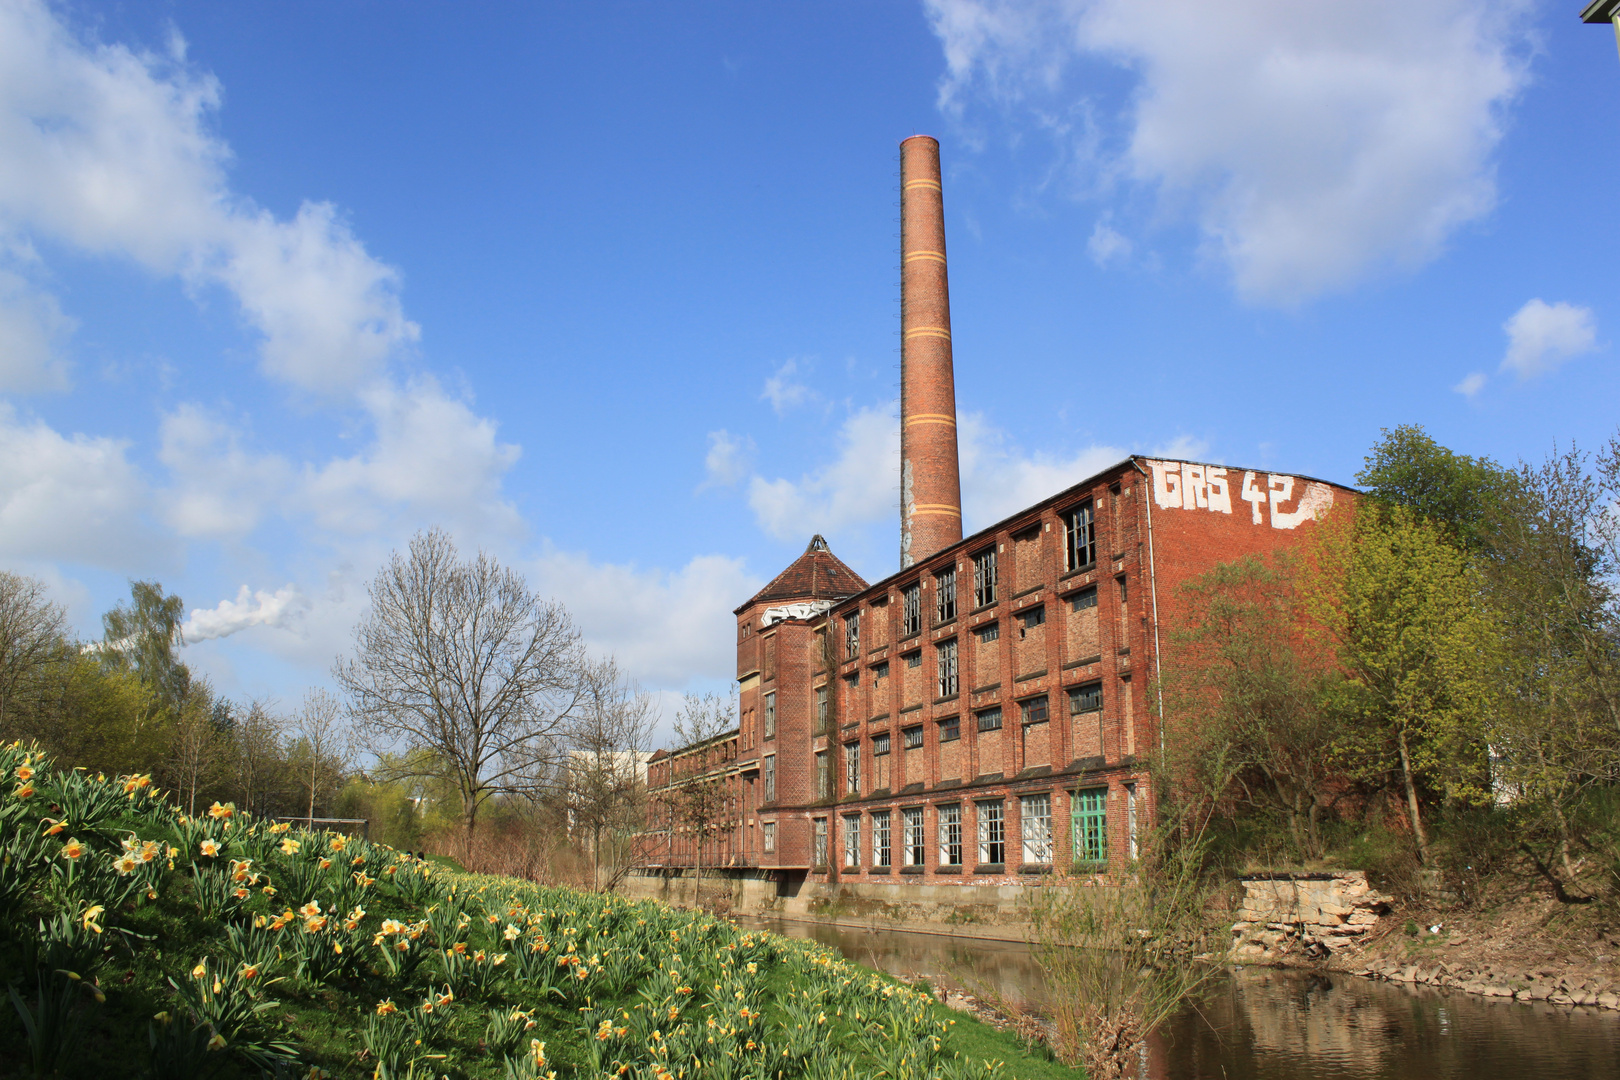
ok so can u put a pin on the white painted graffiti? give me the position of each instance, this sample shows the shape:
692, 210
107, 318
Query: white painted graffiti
1179, 485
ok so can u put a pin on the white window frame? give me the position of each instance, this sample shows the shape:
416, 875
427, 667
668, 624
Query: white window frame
950, 835
991, 820
914, 846
1035, 825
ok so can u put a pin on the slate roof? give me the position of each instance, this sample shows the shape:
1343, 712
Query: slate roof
818, 574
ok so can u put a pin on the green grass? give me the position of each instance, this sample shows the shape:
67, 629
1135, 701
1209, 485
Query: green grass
679, 993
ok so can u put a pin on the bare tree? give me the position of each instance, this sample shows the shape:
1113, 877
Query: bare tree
32, 636
461, 663
701, 802
604, 774
259, 755
196, 746
323, 728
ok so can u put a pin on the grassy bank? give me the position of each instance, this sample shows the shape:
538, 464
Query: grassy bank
142, 942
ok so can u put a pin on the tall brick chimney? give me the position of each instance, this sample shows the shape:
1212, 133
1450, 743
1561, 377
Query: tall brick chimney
930, 481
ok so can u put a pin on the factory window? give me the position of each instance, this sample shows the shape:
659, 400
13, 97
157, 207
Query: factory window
821, 710
880, 744
1034, 710
911, 608
1080, 528
992, 833
984, 577
950, 729
1028, 620
823, 775
818, 854
1035, 821
880, 672
950, 835
990, 633
852, 636
1085, 598
912, 819
947, 668
880, 839
852, 768
911, 738
770, 715
1086, 698
990, 719
769, 768
945, 595
913, 659
852, 840
767, 834
1091, 825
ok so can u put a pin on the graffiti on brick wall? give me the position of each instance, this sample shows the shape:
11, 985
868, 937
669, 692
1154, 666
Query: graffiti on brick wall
1287, 501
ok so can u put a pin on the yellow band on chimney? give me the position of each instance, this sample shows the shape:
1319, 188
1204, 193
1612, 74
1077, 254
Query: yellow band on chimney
942, 509
937, 256
923, 182
930, 418
929, 331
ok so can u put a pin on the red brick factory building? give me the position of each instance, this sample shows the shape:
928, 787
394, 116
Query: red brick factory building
981, 717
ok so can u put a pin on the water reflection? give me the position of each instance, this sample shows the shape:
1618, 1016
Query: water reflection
1284, 1025
1000, 969
1260, 1024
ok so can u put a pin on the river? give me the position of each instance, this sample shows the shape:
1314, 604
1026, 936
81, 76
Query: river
1268, 1024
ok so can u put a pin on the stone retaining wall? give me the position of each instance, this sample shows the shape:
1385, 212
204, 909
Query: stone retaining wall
1316, 913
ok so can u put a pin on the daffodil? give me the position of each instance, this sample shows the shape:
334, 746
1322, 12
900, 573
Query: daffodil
210, 848
126, 864
290, 846
310, 910
25, 772
338, 843
221, 811
24, 791
201, 970
72, 850
91, 914
386, 1007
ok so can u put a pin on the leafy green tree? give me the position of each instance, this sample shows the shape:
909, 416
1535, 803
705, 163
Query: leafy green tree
142, 636
1420, 652
1245, 694
1462, 494
1552, 590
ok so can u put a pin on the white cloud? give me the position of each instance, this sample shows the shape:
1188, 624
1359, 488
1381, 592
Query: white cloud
432, 455
1314, 143
75, 498
219, 489
111, 151
31, 326
1183, 448
282, 609
1107, 245
862, 484
665, 628
999, 478
728, 460
782, 391
1541, 336
1471, 385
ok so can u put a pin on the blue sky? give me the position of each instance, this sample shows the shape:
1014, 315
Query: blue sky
610, 289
